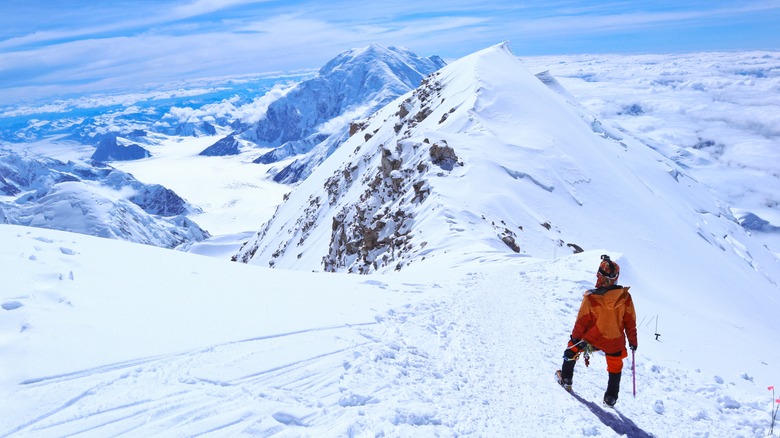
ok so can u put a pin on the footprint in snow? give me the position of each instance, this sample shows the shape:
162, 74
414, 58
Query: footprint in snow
357, 400
376, 283
288, 419
11, 305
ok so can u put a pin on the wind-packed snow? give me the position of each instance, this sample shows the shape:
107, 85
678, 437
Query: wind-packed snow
187, 345
102, 338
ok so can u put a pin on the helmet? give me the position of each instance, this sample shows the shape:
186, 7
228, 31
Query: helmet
608, 272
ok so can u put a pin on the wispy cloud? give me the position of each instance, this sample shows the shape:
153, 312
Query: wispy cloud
201, 7
599, 20
80, 46
132, 22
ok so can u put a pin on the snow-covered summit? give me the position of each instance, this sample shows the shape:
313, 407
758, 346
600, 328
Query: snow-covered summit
487, 138
313, 118
402, 68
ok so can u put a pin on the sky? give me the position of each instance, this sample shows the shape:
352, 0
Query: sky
68, 47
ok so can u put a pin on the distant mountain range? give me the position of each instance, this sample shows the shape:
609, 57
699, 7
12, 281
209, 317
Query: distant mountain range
306, 123
191, 109
346, 102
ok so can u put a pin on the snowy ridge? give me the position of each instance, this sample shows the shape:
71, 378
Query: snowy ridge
488, 123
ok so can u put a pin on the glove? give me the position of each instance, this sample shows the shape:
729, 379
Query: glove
632, 347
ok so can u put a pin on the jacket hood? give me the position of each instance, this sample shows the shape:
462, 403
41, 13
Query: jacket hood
613, 297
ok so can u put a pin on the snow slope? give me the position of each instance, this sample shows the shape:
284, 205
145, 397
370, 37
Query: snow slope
186, 346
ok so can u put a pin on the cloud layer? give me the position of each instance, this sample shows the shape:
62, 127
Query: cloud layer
717, 114
66, 48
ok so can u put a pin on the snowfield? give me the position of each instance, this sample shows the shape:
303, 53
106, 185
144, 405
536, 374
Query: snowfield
184, 345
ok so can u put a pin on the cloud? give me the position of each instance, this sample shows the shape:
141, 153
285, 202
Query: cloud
599, 21
227, 109
202, 7
138, 19
255, 110
125, 45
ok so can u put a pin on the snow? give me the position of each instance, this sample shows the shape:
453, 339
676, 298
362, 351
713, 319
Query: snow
188, 345
101, 337
234, 194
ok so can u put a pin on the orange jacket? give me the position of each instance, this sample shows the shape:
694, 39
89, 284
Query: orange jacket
605, 319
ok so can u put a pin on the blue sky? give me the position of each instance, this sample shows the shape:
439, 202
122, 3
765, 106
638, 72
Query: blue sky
56, 48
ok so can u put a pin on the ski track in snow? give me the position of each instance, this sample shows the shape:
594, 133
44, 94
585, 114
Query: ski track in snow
476, 360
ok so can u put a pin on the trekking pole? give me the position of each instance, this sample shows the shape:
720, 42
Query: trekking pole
633, 370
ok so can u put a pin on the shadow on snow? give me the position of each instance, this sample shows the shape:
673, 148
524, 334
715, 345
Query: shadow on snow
618, 422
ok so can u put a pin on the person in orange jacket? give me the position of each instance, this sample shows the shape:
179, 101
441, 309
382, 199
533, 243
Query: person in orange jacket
608, 272
605, 319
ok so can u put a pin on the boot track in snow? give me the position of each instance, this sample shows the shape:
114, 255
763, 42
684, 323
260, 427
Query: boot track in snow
618, 422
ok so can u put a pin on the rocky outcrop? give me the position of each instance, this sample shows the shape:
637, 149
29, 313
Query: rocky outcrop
223, 147
110, 150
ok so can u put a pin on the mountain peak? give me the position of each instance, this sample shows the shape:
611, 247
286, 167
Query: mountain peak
313, 119
483, 158
355, 78
369, 55
399, 154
